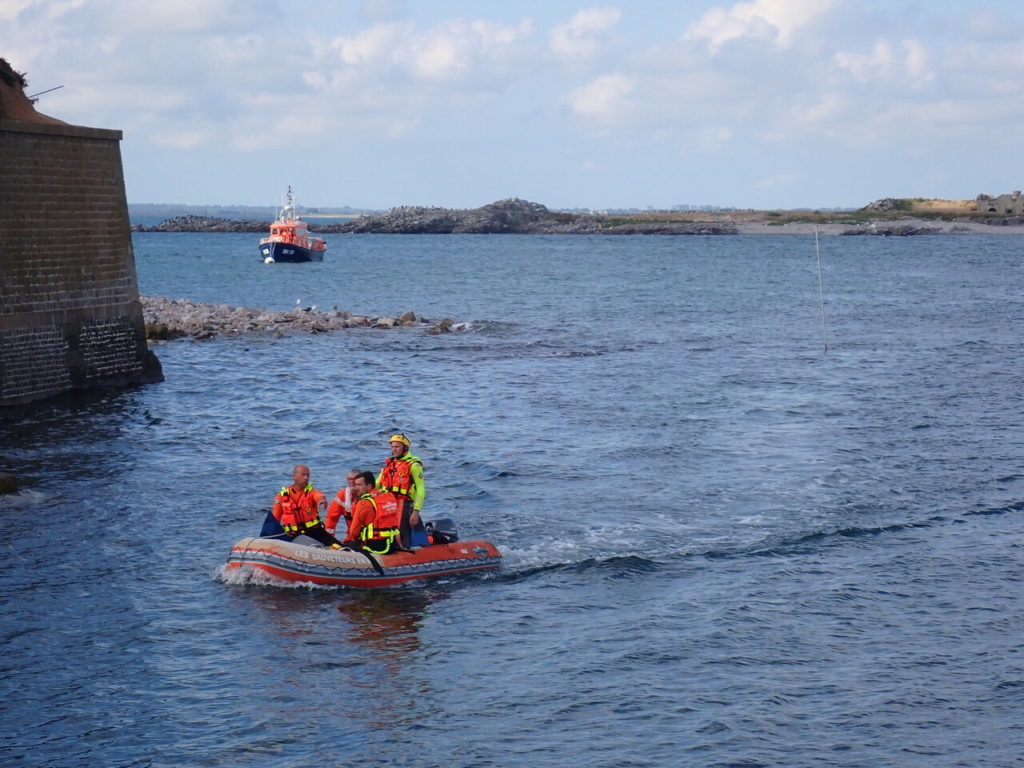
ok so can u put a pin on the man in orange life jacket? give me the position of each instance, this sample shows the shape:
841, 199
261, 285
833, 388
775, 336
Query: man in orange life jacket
343, 502
297, 508
375, 518
402, 474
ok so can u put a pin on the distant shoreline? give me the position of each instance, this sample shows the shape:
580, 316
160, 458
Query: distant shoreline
523, 217
884, 227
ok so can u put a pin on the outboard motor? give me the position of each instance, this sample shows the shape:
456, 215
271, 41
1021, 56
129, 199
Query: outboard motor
442, 531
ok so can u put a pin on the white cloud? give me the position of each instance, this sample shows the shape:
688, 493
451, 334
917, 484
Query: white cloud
371, 46
9, 9
887, 62
279, 128
580, 37
454, 49
824, 109
772, 21
603, 98
442, 57
881, 62
917, 61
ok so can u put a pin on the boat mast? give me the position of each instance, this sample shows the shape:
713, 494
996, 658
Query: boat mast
289, 211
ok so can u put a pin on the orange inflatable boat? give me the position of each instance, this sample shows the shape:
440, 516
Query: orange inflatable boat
307, 561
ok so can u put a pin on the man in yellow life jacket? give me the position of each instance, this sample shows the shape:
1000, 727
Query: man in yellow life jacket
402, 475
375, 518
297, 508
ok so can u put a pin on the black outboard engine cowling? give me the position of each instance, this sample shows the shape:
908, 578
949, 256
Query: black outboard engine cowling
442, 530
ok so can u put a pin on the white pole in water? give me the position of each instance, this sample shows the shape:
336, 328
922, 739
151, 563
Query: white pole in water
821, 292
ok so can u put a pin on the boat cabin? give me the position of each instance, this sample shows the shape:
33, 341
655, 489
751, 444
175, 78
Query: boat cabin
289, 232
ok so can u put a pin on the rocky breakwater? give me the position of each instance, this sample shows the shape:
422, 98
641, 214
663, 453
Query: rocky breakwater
514, 216
178, 318
203, 224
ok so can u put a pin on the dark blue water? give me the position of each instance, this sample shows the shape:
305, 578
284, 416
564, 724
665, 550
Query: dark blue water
723, 545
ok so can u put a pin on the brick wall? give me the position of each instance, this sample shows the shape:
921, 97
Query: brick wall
70, 316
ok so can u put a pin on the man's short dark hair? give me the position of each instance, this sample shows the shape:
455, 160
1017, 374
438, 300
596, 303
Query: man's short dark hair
368, 478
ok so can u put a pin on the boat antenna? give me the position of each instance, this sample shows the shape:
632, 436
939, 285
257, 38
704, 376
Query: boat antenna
821, 292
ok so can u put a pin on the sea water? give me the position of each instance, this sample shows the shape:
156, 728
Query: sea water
748, 518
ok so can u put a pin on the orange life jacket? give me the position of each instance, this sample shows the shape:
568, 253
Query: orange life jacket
298, 510
379, 535
341, 506
396, 476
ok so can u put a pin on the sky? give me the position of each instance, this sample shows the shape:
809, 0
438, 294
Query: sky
765, 104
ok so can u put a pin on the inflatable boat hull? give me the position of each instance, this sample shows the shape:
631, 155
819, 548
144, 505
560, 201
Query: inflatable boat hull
288, 561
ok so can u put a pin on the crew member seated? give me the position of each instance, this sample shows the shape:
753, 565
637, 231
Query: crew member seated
375, 518
297, 508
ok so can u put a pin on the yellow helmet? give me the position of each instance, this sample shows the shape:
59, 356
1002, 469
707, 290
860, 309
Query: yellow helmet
399, 438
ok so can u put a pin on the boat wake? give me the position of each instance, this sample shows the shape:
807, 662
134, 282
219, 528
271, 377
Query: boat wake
615, 566
569, 558
243, 577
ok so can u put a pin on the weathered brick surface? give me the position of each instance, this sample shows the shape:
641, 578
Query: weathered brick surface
70, 316
34, 363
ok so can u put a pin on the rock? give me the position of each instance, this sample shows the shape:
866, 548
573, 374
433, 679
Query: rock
8, 483
158, 331
167, 319
676, 228
445, 326
893, 230
887, 204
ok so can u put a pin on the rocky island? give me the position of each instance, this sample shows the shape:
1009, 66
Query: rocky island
889, 216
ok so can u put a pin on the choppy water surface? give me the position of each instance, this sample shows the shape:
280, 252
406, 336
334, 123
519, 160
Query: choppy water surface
723, 545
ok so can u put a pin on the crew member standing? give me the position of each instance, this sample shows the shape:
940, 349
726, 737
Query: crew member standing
402, 475
375, 518
297, 508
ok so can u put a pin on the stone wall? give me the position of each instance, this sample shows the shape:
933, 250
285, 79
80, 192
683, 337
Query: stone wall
70, 315
1007, 205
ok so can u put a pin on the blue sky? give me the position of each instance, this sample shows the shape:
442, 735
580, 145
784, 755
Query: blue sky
378, 103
